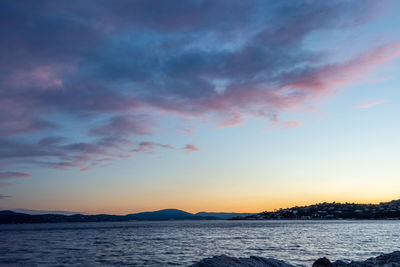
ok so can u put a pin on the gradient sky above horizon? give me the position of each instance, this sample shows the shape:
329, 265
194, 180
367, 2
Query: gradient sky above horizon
126, 106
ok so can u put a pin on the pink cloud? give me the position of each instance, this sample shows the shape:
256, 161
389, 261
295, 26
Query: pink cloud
97, 162
10, 175
234, 119
370, 104
340, 74
191, 148
42, 76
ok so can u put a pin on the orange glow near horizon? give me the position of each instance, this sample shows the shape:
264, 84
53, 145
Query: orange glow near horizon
230, 206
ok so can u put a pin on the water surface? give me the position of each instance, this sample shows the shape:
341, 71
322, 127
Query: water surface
184, 242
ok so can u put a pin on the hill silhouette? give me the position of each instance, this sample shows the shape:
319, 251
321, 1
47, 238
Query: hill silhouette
168, 214
8, 217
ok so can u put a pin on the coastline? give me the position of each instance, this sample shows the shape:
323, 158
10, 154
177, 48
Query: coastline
320, 211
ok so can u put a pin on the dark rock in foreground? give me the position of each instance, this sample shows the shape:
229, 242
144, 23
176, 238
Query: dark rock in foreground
385, 260
322, 262
225, 261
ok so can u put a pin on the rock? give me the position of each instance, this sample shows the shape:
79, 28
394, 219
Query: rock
322, 262
384, 260
225, 261
339, 263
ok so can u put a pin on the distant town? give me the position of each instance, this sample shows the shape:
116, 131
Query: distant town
328, 211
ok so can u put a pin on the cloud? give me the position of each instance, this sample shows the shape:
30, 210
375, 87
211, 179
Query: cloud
371, 103
150, 146
10, 175
55, 153
125, 125
131, 61
190, 148
330, 76
3, 196
51, 140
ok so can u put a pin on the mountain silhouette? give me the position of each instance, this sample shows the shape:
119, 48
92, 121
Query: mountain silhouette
168, 214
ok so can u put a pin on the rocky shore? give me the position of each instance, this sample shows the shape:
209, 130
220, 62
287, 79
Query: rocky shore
384, 260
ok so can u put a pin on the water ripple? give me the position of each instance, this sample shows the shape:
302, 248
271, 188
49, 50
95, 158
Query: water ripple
184, 242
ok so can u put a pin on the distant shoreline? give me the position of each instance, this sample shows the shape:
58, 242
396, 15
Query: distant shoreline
11, 217
322, 211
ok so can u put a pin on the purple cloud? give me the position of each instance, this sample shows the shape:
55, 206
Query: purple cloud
150, 146
10, 175
52, 152
116, 66
51, 140
3, 196
125, 125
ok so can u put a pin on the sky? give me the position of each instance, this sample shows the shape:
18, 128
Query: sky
128, 106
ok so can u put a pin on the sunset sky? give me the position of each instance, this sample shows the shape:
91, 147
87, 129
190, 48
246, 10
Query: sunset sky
126, 106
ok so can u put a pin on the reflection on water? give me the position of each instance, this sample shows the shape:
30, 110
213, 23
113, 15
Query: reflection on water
184, 242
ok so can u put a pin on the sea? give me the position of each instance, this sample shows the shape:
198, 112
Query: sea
181, 243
